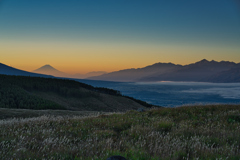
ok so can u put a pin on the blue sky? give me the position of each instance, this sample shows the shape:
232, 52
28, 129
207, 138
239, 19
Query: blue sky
164, 30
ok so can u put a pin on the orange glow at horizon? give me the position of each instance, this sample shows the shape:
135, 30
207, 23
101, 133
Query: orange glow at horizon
83, 57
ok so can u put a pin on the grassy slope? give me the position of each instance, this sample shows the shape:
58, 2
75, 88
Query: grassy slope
197, 132
29, 113
49, 93
95, 102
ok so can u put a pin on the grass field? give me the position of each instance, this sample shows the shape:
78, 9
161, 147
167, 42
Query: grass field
6, 113
196, 132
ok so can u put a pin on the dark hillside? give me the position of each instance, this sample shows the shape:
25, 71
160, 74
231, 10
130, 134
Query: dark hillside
7, 70
51, 93
14, 96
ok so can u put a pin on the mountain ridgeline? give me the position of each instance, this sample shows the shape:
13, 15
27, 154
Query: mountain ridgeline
50, 93
49, 70
202, 71
137, 74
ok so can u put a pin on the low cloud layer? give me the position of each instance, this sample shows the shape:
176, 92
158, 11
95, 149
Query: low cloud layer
230, 93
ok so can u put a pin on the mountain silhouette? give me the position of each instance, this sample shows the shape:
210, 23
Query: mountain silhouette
49, 70
131, 75
201, 71
7, 70
197, 72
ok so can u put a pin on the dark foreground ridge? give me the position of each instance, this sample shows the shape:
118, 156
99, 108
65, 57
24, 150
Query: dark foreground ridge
52, 93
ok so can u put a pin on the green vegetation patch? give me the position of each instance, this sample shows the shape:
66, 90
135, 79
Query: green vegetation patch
12, 96
23, 92
234, 118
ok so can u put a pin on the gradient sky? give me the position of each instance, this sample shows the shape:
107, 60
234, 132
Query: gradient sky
79, 36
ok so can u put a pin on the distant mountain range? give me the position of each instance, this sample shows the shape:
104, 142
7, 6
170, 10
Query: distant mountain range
49, 70
231, 75
131, 75
202, 71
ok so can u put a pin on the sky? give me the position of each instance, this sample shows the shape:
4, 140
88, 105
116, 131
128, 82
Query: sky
80, 36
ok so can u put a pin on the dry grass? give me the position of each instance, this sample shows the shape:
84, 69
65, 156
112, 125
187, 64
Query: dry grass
198, 132
6, 113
